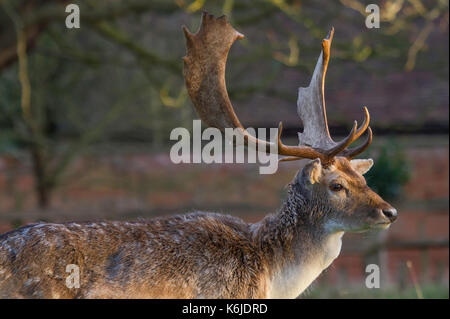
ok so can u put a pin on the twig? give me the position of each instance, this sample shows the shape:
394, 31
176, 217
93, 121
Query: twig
414, 279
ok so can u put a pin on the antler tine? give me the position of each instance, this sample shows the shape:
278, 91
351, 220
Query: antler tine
352, 152
353, 136
365, 124
342, 145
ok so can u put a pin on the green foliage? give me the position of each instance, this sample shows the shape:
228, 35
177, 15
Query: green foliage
390, 171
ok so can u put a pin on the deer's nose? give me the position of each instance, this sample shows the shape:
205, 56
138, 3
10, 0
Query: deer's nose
390, 213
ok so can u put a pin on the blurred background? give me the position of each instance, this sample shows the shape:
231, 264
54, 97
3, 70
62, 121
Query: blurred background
85, 118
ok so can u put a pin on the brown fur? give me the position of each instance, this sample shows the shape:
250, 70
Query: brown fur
197, 255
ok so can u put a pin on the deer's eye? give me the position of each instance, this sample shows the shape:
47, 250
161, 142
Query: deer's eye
335, 187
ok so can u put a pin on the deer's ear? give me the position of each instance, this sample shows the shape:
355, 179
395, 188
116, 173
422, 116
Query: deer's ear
312, 171
362, 166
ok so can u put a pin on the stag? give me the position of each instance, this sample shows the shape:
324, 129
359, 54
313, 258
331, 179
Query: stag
208, 255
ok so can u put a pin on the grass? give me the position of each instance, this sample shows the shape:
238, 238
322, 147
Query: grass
430, 291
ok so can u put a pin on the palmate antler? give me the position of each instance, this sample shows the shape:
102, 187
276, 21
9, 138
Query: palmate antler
204, 72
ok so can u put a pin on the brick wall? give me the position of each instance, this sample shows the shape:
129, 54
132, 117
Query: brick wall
132, 185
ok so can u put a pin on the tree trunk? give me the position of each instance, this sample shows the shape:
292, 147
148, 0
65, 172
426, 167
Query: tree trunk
42, 186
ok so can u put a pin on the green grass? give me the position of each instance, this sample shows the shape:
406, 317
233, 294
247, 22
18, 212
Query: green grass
430, 291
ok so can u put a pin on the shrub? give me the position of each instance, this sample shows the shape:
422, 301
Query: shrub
390, 171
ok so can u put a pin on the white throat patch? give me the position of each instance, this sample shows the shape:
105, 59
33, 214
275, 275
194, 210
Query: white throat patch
294, 279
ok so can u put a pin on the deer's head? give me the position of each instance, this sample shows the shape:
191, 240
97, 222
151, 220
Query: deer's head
341, 193
333, 177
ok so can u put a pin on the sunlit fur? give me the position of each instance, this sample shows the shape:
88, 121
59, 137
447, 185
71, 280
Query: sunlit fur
197, 255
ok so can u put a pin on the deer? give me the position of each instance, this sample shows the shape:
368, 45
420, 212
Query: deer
206, 254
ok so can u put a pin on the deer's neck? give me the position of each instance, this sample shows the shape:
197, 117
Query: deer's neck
297, 244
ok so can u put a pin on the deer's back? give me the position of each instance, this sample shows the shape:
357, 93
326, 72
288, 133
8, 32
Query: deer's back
187, 256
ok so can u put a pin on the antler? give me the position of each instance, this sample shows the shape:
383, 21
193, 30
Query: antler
312, 111
204, 72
